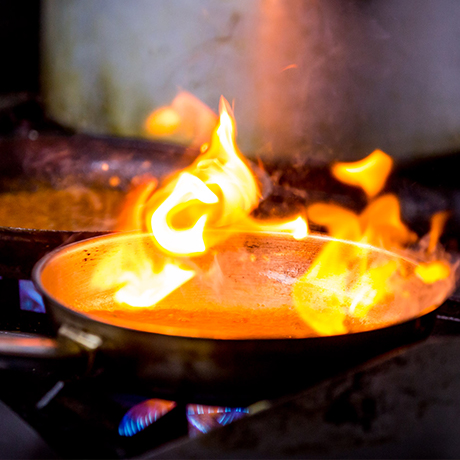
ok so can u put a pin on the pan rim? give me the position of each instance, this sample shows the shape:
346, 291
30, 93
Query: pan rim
41, 264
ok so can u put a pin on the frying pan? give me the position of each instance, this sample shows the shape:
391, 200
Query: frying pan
60, 161
179, 350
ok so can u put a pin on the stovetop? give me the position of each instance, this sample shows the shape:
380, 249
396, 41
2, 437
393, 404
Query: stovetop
42, 416
402, 405
81, 419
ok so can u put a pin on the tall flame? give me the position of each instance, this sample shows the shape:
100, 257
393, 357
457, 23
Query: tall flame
190, 214
205, 203
215, 192
350, 283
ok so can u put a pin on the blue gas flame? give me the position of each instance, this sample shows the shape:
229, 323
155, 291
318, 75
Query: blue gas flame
29, 297
142, 415
201, 419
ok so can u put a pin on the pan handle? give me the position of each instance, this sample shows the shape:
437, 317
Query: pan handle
19, 345
70, 350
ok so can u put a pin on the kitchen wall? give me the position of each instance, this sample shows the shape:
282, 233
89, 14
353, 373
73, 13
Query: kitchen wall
315, 79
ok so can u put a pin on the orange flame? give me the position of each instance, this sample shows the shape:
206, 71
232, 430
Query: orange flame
370, 173
139, 279
187, 120
216, 193
144, 287
438, 221
434, 270
205, 203
297, 227
360, 284
431, 272
132, 215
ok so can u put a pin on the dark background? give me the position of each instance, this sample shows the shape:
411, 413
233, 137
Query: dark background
19, 38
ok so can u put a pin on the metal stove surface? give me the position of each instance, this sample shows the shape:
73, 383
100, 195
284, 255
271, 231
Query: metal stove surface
18, 439
405, 404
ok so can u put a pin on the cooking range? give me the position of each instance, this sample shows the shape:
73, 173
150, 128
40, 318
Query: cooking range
313, 83
73, 411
